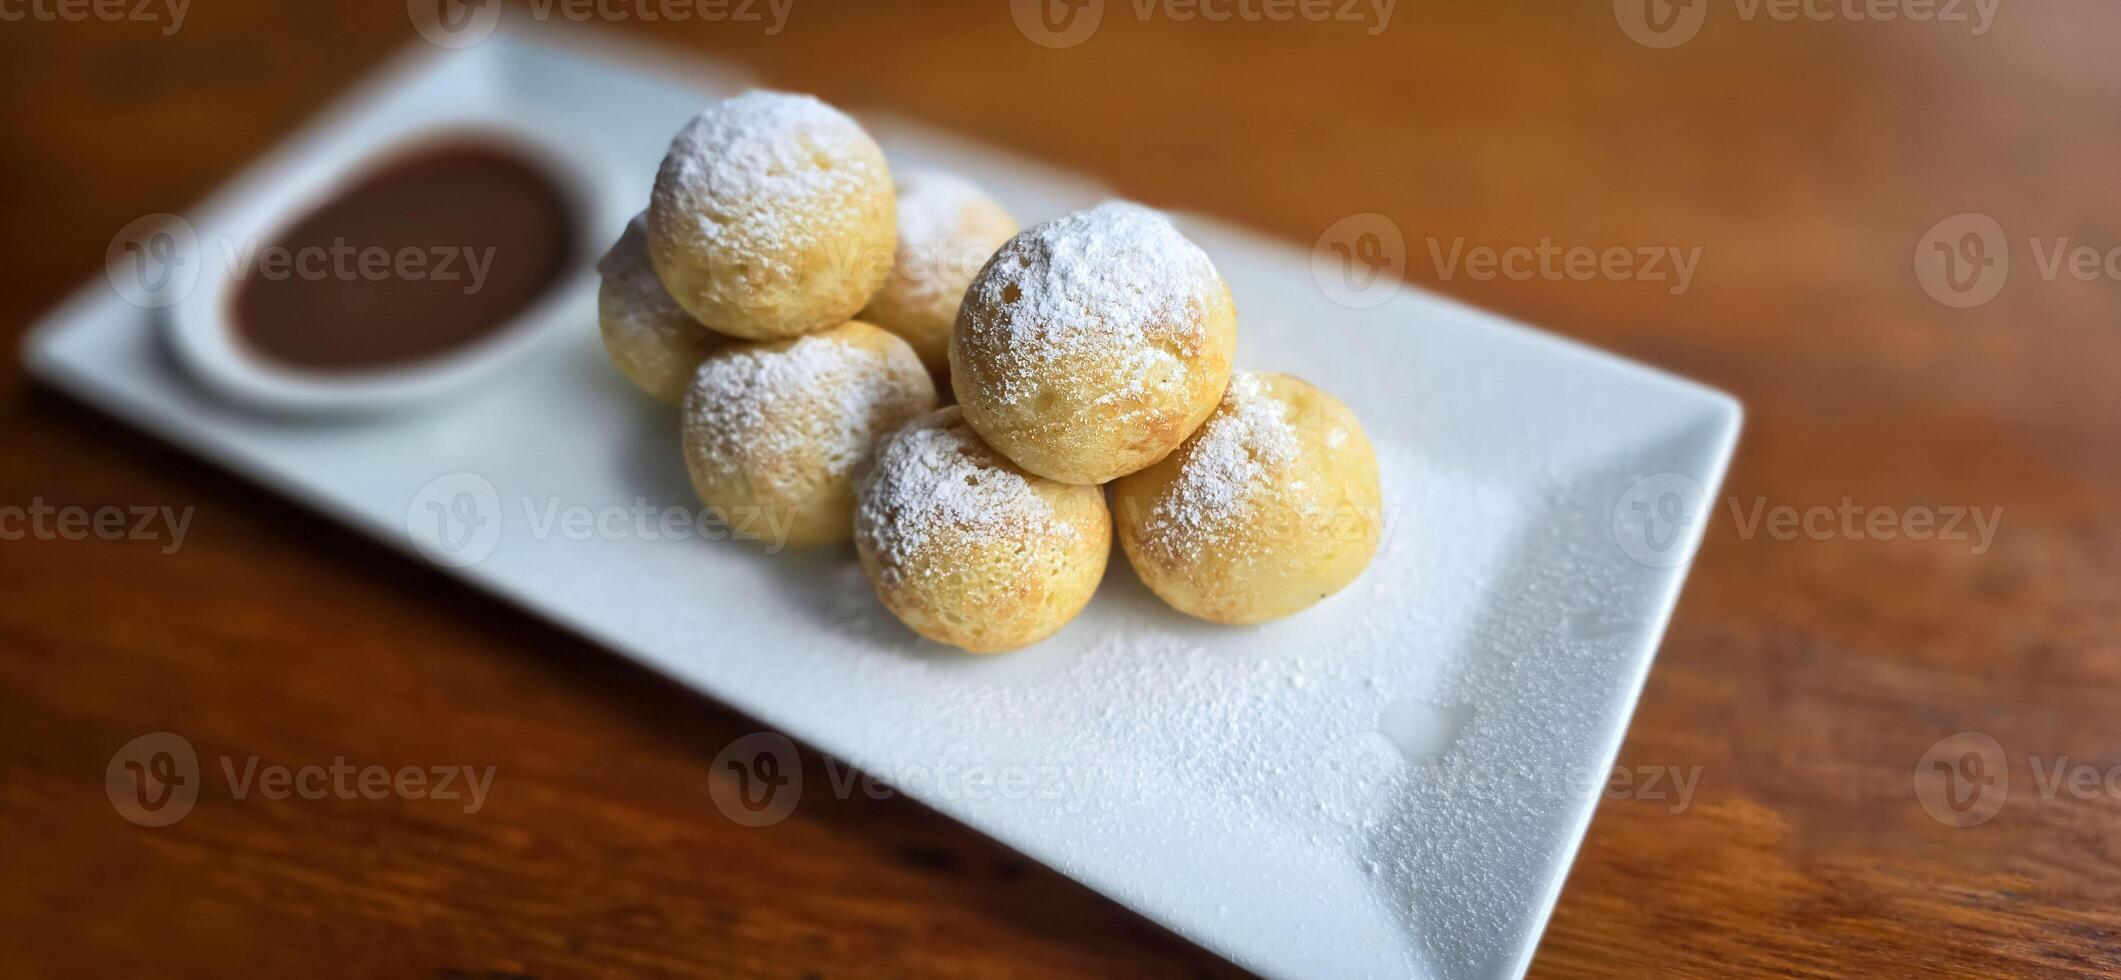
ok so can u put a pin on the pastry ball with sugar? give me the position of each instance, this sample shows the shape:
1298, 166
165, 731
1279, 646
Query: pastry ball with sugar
1271, 506
1092, 345
773, 432
968, 549
652, 340
772, 216
947, 229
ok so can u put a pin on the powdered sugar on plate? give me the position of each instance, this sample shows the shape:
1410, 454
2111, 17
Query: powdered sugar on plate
1280, 750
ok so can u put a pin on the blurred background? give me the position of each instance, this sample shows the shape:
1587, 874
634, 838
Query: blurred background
1843, 181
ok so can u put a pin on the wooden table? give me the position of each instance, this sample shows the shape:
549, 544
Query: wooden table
1807, 675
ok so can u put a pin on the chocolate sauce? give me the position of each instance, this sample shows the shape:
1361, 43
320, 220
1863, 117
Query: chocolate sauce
433, 249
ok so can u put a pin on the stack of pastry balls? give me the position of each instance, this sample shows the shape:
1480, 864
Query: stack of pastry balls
805, 311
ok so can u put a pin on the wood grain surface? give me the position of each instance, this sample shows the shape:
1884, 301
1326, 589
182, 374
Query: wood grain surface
1805, 674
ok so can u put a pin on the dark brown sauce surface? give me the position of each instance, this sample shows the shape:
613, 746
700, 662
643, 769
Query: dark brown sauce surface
433, 249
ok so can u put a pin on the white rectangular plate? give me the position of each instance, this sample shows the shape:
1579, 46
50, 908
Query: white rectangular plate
1392, 783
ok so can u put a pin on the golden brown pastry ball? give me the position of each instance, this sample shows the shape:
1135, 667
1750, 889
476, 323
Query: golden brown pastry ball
1092, 345
773, 432
968, 549
947, 229
1271, 506
772, 216
652, 340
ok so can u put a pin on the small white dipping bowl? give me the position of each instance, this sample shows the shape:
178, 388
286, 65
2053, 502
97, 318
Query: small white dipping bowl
202, 327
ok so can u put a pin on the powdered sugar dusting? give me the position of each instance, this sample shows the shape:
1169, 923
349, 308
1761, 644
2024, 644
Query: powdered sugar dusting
1274, 749
1115, 280
947, 230
1234, 456
930, 203
638, 302
935, 476
762, 160
820, 396
1179, 763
